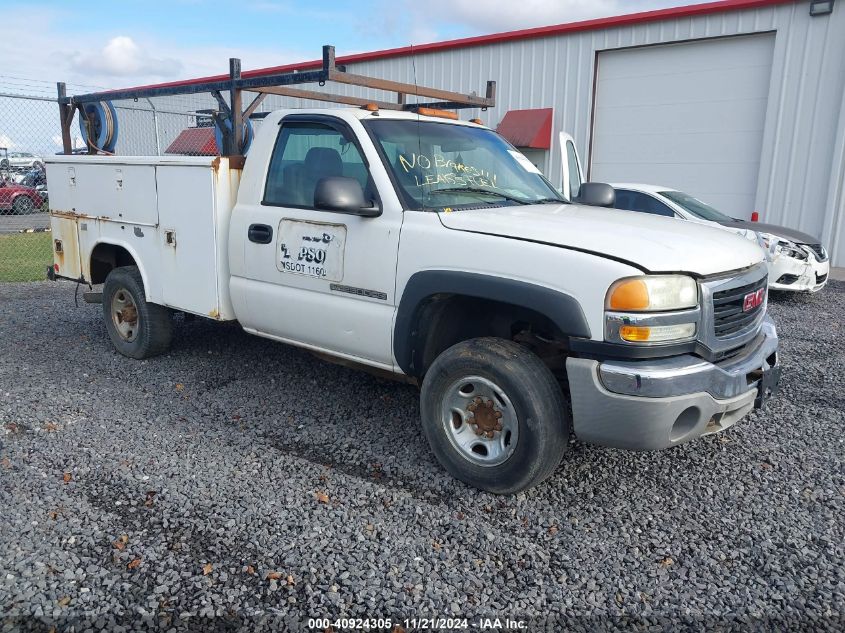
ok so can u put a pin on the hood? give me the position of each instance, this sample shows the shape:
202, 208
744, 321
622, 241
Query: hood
651, 242
15, 187
779, 231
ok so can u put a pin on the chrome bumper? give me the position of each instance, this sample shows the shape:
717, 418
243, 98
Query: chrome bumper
685, 374
657, 403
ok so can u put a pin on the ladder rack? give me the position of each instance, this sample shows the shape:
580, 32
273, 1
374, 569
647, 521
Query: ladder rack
232, 114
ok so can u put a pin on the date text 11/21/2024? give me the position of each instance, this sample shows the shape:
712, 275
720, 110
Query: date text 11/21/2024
419, 624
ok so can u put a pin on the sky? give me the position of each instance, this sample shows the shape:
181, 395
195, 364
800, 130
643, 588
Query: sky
97, 44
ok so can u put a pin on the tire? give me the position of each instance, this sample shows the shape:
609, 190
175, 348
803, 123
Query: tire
528, 439
137, 329
23, 205
4, 164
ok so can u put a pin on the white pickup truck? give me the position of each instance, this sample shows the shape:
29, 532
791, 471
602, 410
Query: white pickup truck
430, 248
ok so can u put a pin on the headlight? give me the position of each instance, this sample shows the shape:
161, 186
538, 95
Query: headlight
652, 309
775, 245
653, 293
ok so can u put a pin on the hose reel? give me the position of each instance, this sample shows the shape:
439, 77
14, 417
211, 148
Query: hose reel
221, 123
101, 118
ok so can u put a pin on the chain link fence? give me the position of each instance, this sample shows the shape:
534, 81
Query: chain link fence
30, 132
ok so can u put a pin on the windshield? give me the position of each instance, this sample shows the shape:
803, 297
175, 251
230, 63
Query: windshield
696, 206
442, 166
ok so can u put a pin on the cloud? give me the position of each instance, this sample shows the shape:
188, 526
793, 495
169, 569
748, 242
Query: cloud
75, 141
96, 59
122, 57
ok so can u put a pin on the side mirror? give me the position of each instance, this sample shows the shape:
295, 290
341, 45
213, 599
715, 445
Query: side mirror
596, 194
343, 195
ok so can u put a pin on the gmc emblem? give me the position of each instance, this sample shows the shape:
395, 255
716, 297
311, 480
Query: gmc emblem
753, 299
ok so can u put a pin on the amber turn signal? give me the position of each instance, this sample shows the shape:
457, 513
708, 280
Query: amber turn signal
634, 333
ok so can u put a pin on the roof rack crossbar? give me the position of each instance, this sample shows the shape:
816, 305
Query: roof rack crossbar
315, 95
329, 72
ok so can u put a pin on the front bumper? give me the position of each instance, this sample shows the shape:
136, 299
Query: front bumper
657, 403
788, 273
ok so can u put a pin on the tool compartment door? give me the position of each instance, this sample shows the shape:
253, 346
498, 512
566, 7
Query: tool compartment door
107, 188
187, 235
66, 247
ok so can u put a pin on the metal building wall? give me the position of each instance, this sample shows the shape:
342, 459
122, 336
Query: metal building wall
802, 166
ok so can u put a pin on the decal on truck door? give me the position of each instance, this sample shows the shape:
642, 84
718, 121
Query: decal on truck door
314, 249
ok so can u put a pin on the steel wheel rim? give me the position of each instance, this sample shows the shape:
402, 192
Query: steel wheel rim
124, 315
469, 416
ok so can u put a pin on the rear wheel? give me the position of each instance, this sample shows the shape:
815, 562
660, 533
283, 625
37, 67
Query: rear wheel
23, 205
137, 329
494, 415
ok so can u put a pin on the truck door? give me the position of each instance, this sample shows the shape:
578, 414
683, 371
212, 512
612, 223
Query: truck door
318, 278
572, 176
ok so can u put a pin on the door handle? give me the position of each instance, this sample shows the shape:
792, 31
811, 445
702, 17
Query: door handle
260, 233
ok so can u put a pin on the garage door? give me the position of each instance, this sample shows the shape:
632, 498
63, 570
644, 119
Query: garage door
688, 116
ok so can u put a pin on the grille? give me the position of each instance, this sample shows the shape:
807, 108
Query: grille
817, 249
728, 317
820, 278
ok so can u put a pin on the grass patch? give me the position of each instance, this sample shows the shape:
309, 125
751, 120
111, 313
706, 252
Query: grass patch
25, 256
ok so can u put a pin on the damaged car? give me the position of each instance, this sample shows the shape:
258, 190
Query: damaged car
797, 261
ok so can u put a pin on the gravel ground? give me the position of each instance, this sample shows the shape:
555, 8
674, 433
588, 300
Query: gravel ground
241, 478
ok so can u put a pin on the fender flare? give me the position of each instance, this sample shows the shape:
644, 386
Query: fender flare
134, 255
560, 308
18, 194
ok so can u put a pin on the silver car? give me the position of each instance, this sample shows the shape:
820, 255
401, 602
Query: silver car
20, 160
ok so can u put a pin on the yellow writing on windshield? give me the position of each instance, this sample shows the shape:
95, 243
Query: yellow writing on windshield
456, 173
455, 180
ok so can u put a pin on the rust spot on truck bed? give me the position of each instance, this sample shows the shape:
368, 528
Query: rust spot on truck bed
66, 247
235, 162
75, 215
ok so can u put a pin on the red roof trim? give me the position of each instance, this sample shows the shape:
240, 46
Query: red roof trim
543, 31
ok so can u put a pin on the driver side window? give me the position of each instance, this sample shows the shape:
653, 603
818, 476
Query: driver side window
304, 154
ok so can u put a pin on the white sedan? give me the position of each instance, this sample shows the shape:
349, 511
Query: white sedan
797, 261
20, 160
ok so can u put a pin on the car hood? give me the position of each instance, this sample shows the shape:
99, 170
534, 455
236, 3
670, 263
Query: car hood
16, 188
780, 231
654, 243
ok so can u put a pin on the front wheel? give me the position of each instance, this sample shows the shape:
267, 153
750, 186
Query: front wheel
136, 328
494, 415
